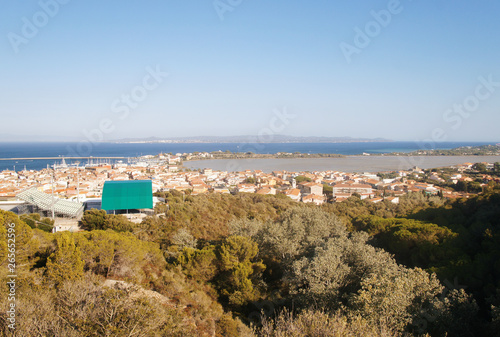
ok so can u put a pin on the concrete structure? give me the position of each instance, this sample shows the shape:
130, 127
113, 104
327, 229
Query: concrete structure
352, 188
317, 199
311, 188
293, 194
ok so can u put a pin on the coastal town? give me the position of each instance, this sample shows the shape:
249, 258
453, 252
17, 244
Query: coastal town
85, 183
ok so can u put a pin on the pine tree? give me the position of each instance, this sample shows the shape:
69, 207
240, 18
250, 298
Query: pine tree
66, 262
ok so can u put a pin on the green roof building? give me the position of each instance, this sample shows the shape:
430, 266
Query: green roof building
128, 194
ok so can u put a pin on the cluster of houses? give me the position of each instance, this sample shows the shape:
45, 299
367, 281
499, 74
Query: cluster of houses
83, 183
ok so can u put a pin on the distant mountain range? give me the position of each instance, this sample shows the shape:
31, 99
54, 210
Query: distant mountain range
251, 139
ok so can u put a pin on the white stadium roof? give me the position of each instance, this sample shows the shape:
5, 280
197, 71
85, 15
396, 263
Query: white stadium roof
46, 203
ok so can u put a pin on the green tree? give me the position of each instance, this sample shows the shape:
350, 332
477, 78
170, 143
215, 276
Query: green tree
183, 238
119, 223
238, 269
95, 219
297, 231
207, 216
334, 269
462, 186
66, 262
496, 167
480, 167
120, 255
250, 180
314, 322
301, 179
36, 221
328, 190
26, 244
455, 314
198, 264
414, 243
400, 297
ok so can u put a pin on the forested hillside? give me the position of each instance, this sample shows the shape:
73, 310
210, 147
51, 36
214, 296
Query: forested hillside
250, 265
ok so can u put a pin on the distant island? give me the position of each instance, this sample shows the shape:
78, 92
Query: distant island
252, 139
483, 150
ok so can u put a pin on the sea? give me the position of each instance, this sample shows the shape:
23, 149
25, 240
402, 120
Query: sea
42, 150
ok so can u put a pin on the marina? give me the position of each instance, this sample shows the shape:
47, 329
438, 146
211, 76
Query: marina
59, 158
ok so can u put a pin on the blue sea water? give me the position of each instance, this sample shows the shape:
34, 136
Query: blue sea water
30, 150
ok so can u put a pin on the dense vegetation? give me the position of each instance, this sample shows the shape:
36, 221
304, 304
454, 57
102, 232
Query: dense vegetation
215, 265
483, 150
207, 216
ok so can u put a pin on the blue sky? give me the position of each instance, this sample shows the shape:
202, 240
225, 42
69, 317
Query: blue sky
229, 68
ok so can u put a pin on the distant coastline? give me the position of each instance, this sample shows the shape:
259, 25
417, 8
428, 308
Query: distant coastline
284, 139
47, 152
484, 150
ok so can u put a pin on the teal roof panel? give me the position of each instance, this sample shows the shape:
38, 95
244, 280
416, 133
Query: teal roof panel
128, 194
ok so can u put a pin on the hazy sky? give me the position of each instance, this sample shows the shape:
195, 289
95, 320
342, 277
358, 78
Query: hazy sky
404, 70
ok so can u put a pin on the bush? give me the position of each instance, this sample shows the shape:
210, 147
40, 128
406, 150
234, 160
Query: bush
312, 323
95, 219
